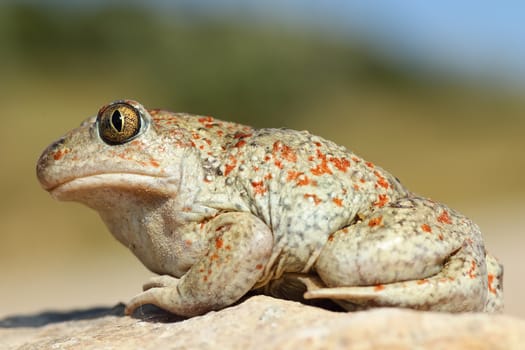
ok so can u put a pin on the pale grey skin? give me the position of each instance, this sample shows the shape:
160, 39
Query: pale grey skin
219, 209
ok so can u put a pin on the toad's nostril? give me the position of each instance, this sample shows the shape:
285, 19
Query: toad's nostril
55, 144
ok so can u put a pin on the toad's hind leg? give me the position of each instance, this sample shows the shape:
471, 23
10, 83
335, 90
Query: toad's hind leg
412, 253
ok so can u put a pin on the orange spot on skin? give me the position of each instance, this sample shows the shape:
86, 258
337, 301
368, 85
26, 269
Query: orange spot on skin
278, 164
444, 218
277, 145
491, 287
316, 199
218, 242
471, 271
206, 121
426, 228
136, 143
288, 154
356, 187
305, 180
379, 288
241, 135
292, 175
301, 179
240, 143
259, 266
382, 199
446, 279
381, 180
268, 176
331, 237
154, 163
322, 168
60, 153
423, 281
341, 163
375, 221
258, 187
230, 166
188, 242
369, 164
338, 201
440, 236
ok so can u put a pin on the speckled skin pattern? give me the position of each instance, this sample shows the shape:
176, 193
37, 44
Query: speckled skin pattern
219, 209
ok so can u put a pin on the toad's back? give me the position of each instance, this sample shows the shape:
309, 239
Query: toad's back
301, 185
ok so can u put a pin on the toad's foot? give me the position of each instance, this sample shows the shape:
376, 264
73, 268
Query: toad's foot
421, 293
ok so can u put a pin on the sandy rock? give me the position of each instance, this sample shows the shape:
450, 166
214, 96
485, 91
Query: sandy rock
262, 323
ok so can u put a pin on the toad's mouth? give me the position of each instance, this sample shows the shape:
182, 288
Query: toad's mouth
94, 185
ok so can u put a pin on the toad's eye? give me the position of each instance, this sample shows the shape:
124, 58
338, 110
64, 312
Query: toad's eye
119, 123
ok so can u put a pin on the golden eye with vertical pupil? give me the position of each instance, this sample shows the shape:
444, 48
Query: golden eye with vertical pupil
119, 123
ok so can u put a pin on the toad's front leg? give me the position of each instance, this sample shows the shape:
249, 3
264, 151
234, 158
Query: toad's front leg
240, 247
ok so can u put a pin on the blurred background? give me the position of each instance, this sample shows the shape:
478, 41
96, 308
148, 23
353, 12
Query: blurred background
434, 93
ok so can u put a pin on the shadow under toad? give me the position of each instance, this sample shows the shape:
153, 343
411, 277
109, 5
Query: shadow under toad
148, 313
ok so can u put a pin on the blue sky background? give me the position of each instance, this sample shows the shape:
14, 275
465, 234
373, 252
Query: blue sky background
475, 37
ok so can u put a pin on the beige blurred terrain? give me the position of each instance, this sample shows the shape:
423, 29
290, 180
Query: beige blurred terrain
460, 142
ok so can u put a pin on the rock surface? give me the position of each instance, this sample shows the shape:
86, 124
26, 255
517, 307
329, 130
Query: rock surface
262, 322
